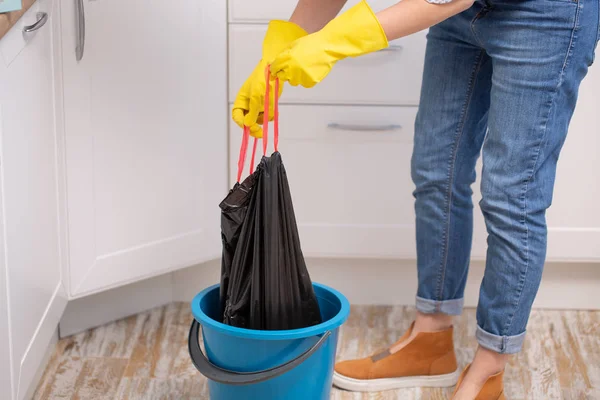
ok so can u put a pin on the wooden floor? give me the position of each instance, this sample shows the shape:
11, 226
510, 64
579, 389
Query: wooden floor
145, 357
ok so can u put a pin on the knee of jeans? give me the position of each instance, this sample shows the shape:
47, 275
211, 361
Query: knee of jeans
423, 171
513, 198
499, 196
428, 176
503, 208
434, 175
495, 208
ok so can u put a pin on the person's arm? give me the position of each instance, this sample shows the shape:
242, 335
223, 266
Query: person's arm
313, 15
354, 33
411, 16
309, 16
402, 19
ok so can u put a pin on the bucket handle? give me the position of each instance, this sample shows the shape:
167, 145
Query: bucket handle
227, 377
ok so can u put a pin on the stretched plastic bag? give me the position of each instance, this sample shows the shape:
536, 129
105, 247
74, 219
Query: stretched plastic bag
264, 280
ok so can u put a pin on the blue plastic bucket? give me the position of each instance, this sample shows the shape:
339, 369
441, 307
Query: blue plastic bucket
244, 364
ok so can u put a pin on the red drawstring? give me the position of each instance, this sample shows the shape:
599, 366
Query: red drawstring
276, 116
266, 112
243, 151
275, 112
253, 154
246, 136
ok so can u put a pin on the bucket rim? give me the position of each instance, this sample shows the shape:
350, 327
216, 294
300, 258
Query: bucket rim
329, 325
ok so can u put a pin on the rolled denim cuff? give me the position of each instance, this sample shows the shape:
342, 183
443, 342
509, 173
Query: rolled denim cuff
449, 307
500, 344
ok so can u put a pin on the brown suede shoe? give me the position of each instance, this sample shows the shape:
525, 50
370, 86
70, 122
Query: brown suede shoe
427, 361
493, 389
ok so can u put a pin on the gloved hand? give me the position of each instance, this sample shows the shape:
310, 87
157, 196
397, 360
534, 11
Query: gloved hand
249, 104
309, 59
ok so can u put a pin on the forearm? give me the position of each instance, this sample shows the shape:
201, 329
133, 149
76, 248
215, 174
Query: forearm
411, 16
313, 15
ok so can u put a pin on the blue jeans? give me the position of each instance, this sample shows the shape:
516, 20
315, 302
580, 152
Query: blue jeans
500, 79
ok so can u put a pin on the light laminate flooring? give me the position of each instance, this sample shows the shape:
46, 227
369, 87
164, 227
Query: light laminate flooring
145, 357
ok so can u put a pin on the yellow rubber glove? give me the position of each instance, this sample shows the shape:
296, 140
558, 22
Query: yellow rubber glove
309, 59
248, 107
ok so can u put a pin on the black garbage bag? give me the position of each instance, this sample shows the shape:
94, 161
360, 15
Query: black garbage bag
233, 213
265, 283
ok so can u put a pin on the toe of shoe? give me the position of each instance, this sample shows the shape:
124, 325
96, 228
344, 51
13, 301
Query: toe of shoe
355, 369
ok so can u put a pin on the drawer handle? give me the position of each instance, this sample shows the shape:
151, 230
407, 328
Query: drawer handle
42, 18
364, 128
79, 29
393, 48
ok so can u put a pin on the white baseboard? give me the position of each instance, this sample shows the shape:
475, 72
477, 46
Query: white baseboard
97, 309
564, 286
188, 282
35, 355
43, 363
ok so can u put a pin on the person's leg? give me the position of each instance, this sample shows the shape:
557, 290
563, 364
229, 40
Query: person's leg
540, 51
449, 132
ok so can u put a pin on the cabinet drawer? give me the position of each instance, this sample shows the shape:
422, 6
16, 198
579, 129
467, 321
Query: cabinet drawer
266, 10
349, 172
390, 77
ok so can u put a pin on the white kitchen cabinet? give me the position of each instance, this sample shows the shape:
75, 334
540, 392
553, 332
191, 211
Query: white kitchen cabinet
349, 172
145, 137
574, 217
5, 359
32, 294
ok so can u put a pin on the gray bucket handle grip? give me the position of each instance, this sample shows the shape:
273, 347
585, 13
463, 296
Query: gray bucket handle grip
228, 377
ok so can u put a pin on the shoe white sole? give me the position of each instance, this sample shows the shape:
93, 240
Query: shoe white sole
379, 385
